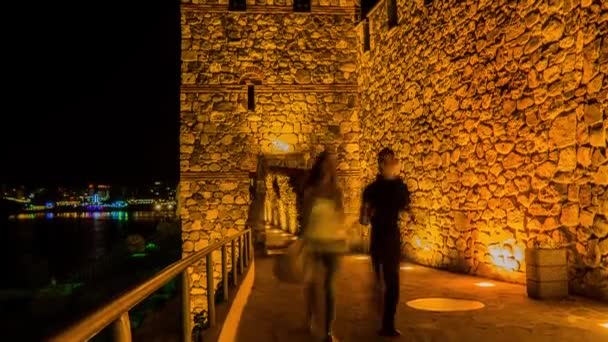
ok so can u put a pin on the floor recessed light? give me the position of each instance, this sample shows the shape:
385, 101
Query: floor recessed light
485, 284
444, 304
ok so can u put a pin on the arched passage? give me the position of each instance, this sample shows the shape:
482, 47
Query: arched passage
277, 199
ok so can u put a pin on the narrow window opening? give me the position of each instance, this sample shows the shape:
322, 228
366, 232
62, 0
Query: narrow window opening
251, 98
366, 6
392, 13
366, 44
301, 5
237, 5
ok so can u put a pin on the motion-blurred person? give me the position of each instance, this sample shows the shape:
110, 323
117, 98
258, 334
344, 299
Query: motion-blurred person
324, 236
383, 201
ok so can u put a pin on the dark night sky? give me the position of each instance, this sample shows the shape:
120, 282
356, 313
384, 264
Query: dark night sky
93, 93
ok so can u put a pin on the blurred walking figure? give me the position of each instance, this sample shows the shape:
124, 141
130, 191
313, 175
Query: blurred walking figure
383, 201
324, 236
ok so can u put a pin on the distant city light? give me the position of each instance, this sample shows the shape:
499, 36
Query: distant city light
90, 198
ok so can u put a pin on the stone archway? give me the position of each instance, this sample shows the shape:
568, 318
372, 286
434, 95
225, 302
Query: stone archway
278, 189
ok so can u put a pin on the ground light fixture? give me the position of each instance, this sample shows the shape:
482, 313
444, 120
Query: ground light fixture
444, 304
485, 284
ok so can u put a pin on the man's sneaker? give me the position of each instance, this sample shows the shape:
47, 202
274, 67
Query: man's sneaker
389, 333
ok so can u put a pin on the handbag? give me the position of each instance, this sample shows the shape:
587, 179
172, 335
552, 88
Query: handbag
291, 266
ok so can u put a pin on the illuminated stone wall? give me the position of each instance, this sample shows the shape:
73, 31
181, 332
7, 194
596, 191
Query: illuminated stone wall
302, 69
288, 212
214, 206
498, 112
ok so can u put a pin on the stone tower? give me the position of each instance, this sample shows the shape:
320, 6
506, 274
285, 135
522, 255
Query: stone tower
260, 83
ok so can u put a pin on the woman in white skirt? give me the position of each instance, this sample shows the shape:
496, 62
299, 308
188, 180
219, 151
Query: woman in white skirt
324, 236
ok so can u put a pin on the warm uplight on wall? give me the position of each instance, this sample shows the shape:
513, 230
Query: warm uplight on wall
485, 284
507, 259
426, 246
280, 145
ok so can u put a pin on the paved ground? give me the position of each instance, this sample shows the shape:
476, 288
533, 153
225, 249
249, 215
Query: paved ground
274, 312
277, 240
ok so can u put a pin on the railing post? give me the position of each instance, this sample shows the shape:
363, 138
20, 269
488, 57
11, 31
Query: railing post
186, 324
210, 291
122, 328
251, 251
245, 250
241, 256
225, 272
234, 270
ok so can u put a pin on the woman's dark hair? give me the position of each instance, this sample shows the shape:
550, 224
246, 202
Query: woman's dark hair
316, 172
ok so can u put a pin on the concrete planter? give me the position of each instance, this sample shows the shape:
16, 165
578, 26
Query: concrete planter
547, 273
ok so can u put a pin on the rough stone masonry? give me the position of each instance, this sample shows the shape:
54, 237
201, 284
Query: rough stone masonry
300, 70
496, 108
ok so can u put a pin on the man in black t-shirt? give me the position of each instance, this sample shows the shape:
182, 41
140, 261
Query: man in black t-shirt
383, 201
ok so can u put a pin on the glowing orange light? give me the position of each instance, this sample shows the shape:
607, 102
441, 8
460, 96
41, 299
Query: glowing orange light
504, 258
605, 325
407, 268
361, 257
485, 284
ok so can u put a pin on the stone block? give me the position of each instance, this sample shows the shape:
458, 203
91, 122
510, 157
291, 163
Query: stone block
546, 257
597, 137
546, 273
562, 132
547, 290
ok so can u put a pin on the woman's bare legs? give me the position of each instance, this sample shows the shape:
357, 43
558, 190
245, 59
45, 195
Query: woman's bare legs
310, 292
330, 262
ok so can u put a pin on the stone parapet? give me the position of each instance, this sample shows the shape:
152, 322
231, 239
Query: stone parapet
270, 3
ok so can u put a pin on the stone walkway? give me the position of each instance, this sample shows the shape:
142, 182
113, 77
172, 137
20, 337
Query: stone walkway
274, 312
277, 240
